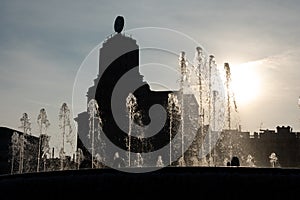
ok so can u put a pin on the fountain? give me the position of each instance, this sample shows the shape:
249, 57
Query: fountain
65, 126
139, 161
131, 104
183, 68
94, 126
159, 162
43, 123
14, 149
118, 162
191, 118
250, 161
62, 157
79, 157
173, 111
198, 86
26, 126
199, 62
273, 160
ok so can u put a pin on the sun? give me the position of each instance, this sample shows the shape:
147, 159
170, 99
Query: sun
245, 82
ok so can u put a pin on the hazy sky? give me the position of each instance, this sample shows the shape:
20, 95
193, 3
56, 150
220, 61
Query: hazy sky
43, 44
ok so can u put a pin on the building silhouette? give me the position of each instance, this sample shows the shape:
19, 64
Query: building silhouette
10, 155
119, 58
119, 55
260, 145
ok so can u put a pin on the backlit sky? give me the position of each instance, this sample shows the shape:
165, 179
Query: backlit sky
43, 44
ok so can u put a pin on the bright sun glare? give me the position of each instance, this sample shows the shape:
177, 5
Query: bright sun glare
245, 82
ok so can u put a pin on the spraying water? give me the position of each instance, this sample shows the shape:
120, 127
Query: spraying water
94, 124
15, 141
26, 126
173, 110
273, 160
131, 104
43, 123
65, 126
159, 162
139, 161
199, 62
183, 68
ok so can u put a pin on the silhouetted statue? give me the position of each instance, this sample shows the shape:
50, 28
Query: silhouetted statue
235, 161
119, 24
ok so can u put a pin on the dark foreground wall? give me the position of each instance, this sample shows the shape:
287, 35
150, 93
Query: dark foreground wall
199, 183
